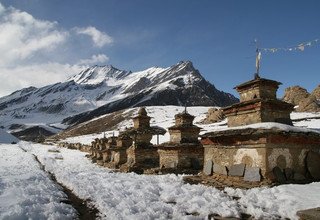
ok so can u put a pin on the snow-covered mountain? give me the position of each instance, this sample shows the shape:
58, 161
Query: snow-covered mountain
103, 89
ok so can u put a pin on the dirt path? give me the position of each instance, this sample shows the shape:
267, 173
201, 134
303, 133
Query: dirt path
85, 210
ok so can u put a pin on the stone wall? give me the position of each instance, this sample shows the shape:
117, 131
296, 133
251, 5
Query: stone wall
258, 111
181, 157
265, 150
144, 157
244, 118
116, 156
263, 92
249, 94
184, 135
231, 155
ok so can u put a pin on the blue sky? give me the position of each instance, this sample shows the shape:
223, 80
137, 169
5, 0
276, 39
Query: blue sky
217, 36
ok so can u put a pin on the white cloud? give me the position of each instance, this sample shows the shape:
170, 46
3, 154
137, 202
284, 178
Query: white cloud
37, 52
2, 9
21, 36
35, 75
100, 58
99, 38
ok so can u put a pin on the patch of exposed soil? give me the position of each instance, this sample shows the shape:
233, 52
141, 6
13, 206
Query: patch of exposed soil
108, 122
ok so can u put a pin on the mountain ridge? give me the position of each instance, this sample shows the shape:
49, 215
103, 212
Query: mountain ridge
99, 90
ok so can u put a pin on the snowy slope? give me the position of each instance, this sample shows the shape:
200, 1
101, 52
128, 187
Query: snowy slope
163, 116
108, 89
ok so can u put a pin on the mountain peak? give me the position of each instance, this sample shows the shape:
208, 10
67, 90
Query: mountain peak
185, 63
97, 74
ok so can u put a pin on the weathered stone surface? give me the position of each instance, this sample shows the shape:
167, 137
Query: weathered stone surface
252, 174
313, 164
214, 115
309, 214
298, 177
288, 172
316, 92
207, 169
195, 164
237, 170
295, 94
171, 165
280, 177
220, 169
309, 104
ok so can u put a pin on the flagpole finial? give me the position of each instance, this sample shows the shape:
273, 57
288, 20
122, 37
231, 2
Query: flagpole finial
258, 59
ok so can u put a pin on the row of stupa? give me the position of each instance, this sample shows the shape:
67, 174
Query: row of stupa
133, 151
259, 144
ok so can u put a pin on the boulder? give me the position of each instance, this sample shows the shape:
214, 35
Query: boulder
313, 164
237, 170
252, 174
214, 115
316, 92
220, 169
298, 177
295, 94
279, 175
310, 104
207, 168
288, 172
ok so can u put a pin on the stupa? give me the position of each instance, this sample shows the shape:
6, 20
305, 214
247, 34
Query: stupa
115, 155
183, 153
260, 142
142, 154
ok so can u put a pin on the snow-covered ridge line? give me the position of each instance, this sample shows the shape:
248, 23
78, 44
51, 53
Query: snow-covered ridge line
109, 89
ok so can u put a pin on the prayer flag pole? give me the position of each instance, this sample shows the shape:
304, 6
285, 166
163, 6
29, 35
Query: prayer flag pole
258, 59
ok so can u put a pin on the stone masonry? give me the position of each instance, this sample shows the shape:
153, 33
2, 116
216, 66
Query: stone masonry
255, 151
141, 155
183, 153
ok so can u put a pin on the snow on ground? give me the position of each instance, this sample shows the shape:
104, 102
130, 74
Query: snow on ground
132, 196
26, 192
282, 201
163, 116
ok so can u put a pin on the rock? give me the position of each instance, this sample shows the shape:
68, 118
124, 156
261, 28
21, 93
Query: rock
316, 92
288, 172
214, 115
279, 175
207, 168
237, 170
313, 164
195, 164
309, 214
295, 94
220, 169
310, 104
252, 174
298, 177
171, 165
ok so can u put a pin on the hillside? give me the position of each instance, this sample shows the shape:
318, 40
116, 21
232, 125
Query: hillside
162, 116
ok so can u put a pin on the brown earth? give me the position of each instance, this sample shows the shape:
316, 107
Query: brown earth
101, 124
